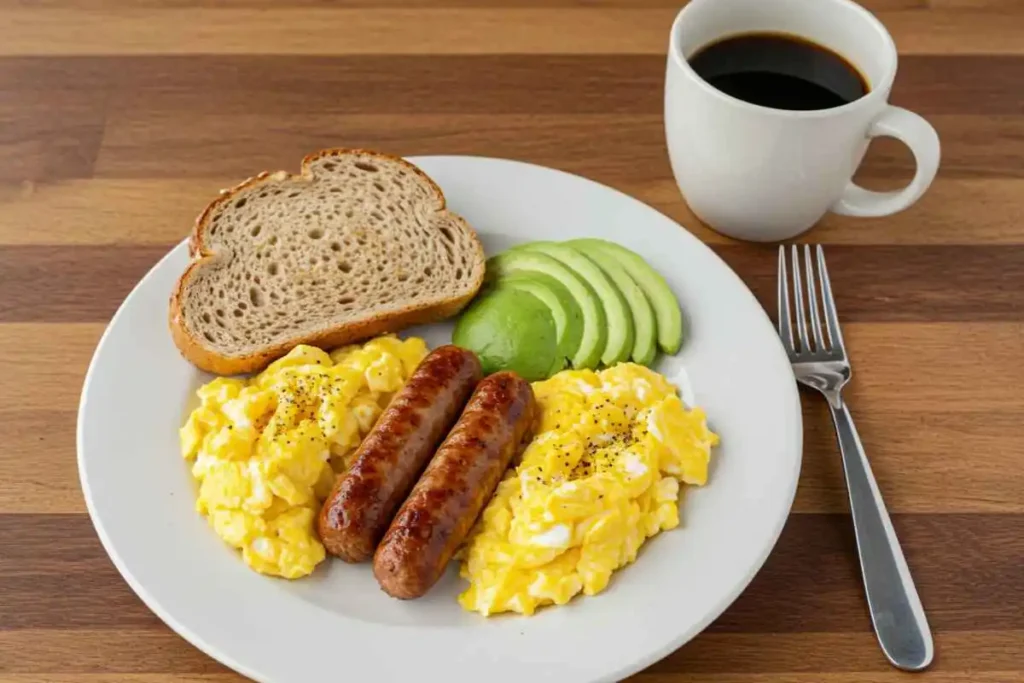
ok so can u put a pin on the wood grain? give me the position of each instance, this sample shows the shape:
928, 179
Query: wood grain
120, 119
315, 30
462, 84
873, 5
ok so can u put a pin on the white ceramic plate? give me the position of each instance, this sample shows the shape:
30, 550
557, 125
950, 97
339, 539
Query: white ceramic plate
337, 623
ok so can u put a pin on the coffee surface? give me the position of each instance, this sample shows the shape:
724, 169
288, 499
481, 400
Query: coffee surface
779, 71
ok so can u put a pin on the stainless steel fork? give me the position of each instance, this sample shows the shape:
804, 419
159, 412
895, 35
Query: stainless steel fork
896, 611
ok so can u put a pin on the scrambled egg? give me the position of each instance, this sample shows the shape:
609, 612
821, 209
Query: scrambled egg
600, 477
265, 450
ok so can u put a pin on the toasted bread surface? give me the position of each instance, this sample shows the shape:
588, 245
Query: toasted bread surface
358, 244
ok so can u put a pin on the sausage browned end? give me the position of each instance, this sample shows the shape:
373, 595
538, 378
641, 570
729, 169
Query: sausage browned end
456, 486
357, 512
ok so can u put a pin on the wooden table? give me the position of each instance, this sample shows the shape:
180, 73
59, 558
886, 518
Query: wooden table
121, 119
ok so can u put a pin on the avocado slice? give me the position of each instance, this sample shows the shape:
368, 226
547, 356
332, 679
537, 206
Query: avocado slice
619, 343
645, 328
564, 310
510, 329
594, 332
666, 307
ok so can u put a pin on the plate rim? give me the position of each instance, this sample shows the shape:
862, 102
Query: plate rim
637, 664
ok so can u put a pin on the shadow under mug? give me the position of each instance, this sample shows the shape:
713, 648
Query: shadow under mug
763, 174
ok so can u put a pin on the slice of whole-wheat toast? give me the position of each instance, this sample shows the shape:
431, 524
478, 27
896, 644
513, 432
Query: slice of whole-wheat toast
358, 244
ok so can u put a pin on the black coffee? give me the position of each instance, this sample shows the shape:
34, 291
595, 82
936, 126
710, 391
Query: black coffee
779, 71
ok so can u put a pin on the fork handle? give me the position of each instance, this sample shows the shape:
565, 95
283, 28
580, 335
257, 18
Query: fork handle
896, 611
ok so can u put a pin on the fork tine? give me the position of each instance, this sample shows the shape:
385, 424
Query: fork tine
835, 336
812, 300
785, 326
801, 312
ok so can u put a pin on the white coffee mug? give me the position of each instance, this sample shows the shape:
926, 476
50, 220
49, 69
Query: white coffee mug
764, 174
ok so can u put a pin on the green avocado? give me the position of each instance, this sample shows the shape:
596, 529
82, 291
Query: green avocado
619, 343
564, 309
666, 307
594, 332
511, 329
645, 329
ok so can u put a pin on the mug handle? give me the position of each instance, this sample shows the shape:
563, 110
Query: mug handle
917, 134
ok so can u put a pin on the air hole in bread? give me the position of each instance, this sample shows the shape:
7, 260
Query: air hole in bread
344, 267
363, 166
419, 280
220, 323
293, 195
213, 231
255, 297
325, 258
248, 276
458, 273
349, 213
346, 300
335, 190
402, 277
316, 233
330, 166
206, 318
447, 234
272, 269
240, 203
263, 195
256, 230
231, 228
397, 183
316, 283
256, 279
220, 293
380, 188
335, 246
241, 305
237, 313
429, 271
209, 337
274, 296
378, 215
220, 312
273, 240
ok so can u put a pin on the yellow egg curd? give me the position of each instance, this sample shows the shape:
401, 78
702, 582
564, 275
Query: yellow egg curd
600, 477
265, 450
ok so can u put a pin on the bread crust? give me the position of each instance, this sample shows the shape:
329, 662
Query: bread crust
205, 358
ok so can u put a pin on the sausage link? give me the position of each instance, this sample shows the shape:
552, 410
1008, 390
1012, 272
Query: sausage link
357, 512
456, 486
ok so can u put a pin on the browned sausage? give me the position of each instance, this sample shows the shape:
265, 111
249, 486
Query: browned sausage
364, 499
456, 486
